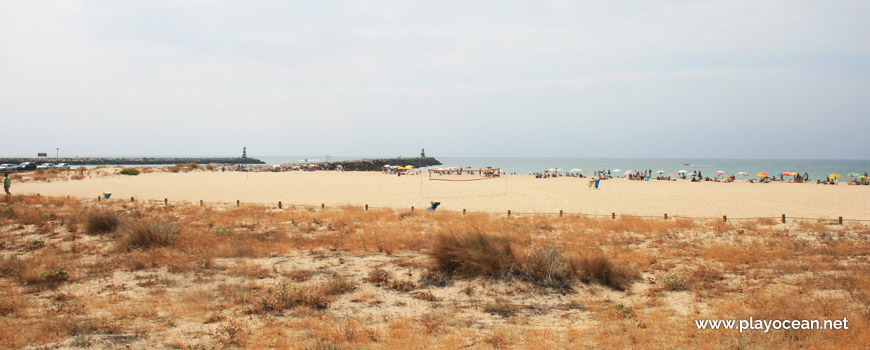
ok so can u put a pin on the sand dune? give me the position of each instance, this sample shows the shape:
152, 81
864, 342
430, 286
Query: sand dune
521, 194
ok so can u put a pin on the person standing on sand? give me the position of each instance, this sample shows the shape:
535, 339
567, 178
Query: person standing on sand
7, 182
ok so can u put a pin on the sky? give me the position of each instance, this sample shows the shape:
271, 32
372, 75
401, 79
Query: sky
787, 79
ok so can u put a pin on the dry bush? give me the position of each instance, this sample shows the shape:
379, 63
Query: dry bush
548, 267
474, 254
337, 285
149, 233
284, 295
600, 269
502, 307
102, 222
379, 276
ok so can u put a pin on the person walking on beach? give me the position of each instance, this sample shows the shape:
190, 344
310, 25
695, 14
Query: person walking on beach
7, 182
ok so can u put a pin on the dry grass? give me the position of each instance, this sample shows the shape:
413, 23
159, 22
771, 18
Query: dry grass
256, 277
102, 222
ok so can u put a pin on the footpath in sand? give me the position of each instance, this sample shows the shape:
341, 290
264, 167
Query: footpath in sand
520, 194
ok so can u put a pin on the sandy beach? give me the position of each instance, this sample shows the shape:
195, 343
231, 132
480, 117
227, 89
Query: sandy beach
520, 193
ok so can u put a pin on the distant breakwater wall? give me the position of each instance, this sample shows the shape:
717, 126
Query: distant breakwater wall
374, 164
130, 161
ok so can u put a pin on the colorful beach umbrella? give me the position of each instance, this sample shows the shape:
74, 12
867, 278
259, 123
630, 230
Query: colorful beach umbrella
761, 174
720, 172
672, 174
552, 170
835, 176
575, 170
627, 172
400, 168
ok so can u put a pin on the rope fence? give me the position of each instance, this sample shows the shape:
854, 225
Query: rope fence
280, 205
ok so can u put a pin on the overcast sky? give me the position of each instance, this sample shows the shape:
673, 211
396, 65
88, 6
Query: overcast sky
706, 79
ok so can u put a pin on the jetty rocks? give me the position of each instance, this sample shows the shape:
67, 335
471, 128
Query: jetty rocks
373, 164
131, 160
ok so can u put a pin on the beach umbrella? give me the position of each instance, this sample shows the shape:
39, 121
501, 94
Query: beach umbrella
761, 174
742, 173
559, 169
386, 165
552, 170
672, 174
661, 171
575, 170
409, 167
777, 174
400, 168
616, 170
629, 171
835, 176
683, 171
720, 172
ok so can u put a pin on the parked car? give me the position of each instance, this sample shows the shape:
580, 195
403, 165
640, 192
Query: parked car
6, 168
26, 166
63, 166
46, 166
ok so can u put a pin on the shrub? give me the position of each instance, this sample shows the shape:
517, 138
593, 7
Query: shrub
283, 295
130, 171
337, 285
549, 268
674, 283
379, 276
474, 254
192, 165
102, 222
55, 276
146, 234
501, 307
600, 269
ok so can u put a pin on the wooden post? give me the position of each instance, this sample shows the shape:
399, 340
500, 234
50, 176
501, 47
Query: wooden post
412, 208
165, 201
463, 211
99, 198
322, 206
200, 203
841, 220
238, 203
666, 216
280, 206
724, 218
509, 213
132, 199
783, 218
560, 213
613, 216
367, 207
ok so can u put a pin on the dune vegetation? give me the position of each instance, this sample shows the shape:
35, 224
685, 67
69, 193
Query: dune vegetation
113, 273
